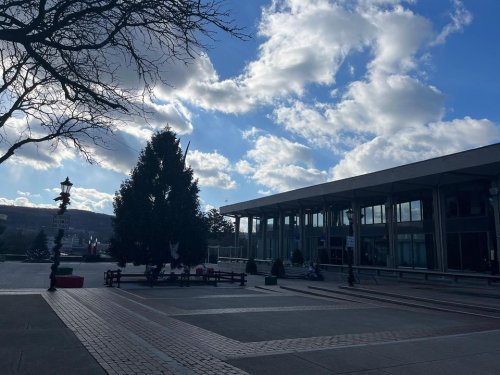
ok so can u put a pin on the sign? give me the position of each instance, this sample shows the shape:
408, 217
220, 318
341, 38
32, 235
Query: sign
349, 241
61, 221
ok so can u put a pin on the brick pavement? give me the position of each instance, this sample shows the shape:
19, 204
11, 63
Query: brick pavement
126, 336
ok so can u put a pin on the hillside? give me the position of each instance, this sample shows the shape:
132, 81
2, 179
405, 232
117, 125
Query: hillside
29, 218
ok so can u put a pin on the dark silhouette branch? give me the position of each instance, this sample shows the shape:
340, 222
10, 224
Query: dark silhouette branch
61, 57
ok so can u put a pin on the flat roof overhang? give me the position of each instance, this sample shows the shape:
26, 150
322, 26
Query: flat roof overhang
479, 163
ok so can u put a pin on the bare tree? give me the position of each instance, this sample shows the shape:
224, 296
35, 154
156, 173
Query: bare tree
63, 62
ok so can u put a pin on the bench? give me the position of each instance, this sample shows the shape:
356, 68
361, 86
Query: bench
111, 275
210, 278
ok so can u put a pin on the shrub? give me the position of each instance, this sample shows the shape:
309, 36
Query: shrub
297, 257
278, 269
251, 266
37, 255
38, 251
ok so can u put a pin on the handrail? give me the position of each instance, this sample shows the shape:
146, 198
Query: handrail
385, 271
401, 271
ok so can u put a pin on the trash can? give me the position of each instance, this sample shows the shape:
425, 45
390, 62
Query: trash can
270, 280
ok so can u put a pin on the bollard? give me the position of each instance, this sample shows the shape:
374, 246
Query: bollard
109, 278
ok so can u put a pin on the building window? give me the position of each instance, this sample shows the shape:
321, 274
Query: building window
416, 211
466, 204
378, 214
468, 251
270, 224
413, 250
317, 219
409, 211
373, 214
374, 251
368, 215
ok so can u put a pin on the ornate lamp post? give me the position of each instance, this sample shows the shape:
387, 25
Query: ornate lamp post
350, 247
64, 198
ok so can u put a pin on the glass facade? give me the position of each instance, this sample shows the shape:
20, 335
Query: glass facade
468, 252
374, 251
447, 228
415, 250
409, 211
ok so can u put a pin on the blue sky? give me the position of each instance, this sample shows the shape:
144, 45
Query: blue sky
323, 91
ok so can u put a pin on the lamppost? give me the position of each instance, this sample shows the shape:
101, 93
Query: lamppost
494, 200
350, 246
64, 198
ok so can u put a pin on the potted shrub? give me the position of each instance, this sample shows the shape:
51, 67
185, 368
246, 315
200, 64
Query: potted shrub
251, 267
278, 269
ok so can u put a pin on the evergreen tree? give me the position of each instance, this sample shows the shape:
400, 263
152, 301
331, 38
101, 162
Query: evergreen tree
219, 228
158, 207
39, 249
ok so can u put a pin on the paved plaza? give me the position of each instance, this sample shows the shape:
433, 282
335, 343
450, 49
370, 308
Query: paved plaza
297, 327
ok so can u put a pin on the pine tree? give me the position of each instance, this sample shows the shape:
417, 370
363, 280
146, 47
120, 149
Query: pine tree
158, 206
219, 228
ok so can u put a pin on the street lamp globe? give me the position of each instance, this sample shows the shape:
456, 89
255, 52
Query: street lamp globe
66, 186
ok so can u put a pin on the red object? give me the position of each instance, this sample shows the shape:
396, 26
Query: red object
69, 281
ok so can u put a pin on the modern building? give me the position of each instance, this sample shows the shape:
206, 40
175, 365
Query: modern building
440, 214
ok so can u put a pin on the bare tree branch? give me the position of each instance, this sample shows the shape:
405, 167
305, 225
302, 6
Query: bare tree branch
60, 63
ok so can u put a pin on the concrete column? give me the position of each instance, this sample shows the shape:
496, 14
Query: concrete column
237, 232
250, 242
390, 219
281, 237
495, 201
357, 235
326, 228
302, 232
439, 228
263, 228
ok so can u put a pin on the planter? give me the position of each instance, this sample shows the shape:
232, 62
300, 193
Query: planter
69, 281
271, 280
64, 271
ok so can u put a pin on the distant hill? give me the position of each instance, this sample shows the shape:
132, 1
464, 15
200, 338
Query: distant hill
34, 219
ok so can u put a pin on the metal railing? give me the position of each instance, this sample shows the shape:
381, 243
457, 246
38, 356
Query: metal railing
413, 274
409, 274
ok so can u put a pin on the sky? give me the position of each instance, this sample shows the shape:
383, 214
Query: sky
324, 90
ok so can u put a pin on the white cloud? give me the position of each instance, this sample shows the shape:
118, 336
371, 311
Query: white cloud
414, 144
305, 42
280, 164
24, 201
398, 37
389, 117
244, 167
211, 169
91, 199
251, 133
88, 199
460, 18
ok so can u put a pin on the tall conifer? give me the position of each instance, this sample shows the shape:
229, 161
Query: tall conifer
158, 206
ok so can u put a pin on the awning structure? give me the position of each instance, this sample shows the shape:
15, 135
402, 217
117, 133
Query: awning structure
480, 163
